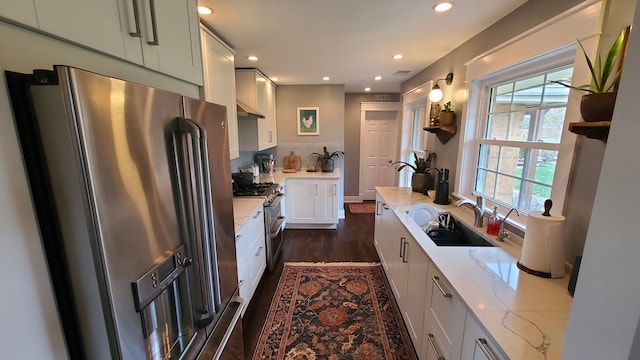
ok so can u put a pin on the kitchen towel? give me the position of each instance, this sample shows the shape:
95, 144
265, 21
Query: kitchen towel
543, 247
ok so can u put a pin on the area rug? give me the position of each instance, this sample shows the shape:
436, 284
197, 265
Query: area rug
333, 311
362, 208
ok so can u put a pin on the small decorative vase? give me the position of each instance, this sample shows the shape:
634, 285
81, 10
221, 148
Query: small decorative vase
447, 118
326, 165
420, 182
598, 107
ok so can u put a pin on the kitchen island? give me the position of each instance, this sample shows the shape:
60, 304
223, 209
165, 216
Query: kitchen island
525, 315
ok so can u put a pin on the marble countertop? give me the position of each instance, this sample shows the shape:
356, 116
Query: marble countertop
525, 314
279, 177
243, 207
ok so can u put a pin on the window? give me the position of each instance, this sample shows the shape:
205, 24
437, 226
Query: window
417, 141
520, 139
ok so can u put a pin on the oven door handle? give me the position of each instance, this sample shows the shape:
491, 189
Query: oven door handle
276, 200
277, 227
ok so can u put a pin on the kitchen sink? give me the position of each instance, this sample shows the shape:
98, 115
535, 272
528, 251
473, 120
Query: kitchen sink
458, 234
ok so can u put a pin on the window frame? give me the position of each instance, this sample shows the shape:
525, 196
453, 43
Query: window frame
541, 48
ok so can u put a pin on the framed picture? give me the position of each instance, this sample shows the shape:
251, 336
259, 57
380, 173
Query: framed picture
308, 121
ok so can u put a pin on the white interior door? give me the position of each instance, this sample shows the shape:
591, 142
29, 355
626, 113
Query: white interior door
378, 146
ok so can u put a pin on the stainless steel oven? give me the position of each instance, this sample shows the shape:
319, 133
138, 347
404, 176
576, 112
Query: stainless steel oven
274, 229
273, 219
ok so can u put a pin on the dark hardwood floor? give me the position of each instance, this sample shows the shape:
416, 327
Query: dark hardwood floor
351, 241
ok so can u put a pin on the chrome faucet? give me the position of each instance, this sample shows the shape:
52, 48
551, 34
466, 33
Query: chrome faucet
502, 233
478, 209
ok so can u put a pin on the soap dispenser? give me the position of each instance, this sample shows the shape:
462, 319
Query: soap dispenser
493, 227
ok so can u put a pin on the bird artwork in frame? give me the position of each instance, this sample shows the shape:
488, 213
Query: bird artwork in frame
308, 121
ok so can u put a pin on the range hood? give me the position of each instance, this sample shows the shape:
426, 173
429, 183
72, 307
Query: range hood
247, 111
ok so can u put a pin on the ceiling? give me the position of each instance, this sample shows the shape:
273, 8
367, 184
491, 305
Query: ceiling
350, 41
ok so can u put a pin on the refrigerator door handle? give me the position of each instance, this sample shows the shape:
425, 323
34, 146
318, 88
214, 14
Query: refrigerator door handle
193, 179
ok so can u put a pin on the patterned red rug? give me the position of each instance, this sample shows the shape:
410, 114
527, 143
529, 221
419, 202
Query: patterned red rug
362, 208
333, 311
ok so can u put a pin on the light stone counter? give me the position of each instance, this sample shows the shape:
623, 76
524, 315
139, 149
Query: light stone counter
242, 208
525, 314
279, 177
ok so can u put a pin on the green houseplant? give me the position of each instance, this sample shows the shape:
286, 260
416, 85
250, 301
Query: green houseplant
421, 180
598, 102
447, 116
325, 159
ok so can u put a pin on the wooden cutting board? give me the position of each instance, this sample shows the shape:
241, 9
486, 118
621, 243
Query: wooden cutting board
292, 162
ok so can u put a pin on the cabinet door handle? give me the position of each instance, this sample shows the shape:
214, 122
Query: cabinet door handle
257, 214
432, 342
436, 280
335, 189
402, 247
317, 189
378, 203
484, 347
404, 251
154, 25
136, 19
259, 251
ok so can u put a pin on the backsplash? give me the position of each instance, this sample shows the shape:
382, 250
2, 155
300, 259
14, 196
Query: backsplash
284, 149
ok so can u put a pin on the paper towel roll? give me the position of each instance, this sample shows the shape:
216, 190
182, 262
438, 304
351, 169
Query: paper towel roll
543, 246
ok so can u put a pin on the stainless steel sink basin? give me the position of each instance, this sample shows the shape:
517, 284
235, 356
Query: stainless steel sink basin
459, 235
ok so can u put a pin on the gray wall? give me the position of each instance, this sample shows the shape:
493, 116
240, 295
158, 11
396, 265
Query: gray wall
589, 153
604, 315
352, 137
330, 101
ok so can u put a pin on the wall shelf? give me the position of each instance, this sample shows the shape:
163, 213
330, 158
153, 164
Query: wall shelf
444, 133
593, 129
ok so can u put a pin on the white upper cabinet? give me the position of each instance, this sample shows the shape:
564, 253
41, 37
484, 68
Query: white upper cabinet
220, 82
160, 35
170, 38
21, 11
257, 91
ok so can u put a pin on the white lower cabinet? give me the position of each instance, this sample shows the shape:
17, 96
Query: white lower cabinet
250, 252
476, 345
406, 266
437, 319
312, 203
443, 319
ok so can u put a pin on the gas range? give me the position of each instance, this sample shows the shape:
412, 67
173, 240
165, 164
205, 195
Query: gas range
267, 190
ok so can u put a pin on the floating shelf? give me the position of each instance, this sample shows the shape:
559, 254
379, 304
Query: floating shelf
593, 129
444, 133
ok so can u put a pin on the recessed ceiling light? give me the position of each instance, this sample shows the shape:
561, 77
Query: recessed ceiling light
203, 10
443, 6
397, 56
378, 77
326, 78
367, 89
274, 79
252, 58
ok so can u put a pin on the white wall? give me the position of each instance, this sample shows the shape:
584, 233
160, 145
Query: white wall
29, 323
606, 308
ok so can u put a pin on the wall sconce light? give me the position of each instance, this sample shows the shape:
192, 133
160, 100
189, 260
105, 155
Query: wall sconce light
436, 94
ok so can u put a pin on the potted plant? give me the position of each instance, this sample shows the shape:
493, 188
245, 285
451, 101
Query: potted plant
447, 116
325, 159
421, 180
598, 102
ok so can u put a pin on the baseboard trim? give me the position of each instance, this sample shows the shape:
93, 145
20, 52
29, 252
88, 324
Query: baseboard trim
341, 214
353, 199
311, 226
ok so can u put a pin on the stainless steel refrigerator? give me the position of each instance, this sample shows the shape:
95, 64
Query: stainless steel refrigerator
132, 189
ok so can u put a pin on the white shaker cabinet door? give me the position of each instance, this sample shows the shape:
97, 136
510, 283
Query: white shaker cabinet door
20, 11
171, 40
220, 82
95, 24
